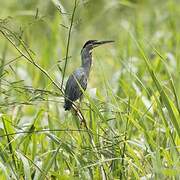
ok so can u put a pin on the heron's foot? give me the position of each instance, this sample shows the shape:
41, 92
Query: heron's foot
76, 112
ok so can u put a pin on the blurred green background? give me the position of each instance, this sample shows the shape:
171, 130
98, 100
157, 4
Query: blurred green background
134, 121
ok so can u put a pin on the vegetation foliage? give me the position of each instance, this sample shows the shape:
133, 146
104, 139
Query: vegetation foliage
128, 126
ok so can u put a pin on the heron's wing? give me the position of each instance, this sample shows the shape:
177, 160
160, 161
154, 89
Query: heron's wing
73, 91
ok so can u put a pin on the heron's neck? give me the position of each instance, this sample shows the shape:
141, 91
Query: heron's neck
86, 58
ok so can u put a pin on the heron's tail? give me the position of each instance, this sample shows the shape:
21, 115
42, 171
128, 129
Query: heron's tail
67, 105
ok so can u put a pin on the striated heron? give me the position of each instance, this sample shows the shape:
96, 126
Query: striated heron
77, 81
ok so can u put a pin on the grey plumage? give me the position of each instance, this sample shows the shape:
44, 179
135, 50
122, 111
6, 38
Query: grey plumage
78, 79
73, 90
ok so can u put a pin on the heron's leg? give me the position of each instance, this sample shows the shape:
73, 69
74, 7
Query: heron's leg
83, 121
77, 107
80, 101
74, 110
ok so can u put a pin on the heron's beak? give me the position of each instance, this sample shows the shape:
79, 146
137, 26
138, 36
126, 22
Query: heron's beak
99, 43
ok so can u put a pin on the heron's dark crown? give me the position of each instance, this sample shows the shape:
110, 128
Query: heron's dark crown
90, 42
95, 43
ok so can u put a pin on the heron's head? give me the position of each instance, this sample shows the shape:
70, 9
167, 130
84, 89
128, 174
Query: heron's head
89, 45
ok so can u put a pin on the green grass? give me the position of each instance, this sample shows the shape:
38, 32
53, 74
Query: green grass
131, 106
